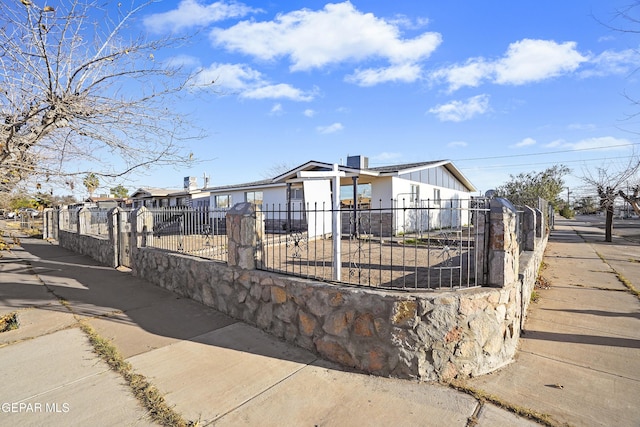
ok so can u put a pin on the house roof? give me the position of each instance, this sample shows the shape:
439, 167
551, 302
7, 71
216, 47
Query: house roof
154, 192
314, 165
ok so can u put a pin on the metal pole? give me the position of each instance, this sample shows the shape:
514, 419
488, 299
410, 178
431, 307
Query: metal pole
355, 206
336, 228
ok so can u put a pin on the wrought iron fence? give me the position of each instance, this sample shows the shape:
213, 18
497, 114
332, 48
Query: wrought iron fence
520, 231
98, 223
425, 245
195, 231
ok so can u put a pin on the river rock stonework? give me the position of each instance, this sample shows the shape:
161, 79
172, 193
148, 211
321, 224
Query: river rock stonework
426, 336
430, 335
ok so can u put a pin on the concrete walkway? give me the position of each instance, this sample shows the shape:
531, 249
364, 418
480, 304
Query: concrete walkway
579, 358
582, 346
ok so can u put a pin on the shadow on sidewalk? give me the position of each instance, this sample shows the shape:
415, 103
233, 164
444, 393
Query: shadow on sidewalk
99, 292
597, 312
582, 339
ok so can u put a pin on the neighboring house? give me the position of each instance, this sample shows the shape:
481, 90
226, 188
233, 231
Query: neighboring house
189, 196
436, 192
105, 202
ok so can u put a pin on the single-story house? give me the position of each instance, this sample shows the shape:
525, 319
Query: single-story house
402, 198
189, 196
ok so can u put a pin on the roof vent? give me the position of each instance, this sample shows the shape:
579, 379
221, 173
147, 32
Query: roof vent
358, 162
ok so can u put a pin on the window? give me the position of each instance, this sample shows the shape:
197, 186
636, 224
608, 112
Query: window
364, 196
297, 193
415, 193
436, 196
223, 201
254, 197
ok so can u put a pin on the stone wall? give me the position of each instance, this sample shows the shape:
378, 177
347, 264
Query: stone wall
430, 335
426, 336
100, 248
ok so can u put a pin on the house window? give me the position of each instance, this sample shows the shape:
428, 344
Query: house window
223, 201
436, 196
415, 193
363, 197
254, 197
297, 193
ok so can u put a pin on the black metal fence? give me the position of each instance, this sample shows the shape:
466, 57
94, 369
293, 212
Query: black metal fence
425, 245
195, 231
428, 244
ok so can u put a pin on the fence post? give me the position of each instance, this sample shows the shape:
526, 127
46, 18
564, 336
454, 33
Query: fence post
113, 216
141, 227
47, 223
503, 251
539, 223
529, 228
245, 229
84, 221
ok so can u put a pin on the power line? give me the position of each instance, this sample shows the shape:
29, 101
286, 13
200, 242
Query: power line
548, 152
543, 163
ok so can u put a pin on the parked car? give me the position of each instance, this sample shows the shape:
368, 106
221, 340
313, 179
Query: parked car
10, 214
29, 211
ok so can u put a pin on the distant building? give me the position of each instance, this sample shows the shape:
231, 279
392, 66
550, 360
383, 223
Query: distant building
189, 196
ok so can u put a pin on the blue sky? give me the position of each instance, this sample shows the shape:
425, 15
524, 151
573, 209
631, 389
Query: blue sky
499, 87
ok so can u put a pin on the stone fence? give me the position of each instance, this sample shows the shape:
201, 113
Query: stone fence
428, 335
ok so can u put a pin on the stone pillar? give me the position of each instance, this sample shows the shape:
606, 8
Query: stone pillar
245, 229
503, 251
113, 216
47, 223
63, 220
540, 226
84, 221
141, 227
528, 228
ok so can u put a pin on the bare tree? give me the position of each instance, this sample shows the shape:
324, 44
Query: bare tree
608, 182
633, 198
79, 94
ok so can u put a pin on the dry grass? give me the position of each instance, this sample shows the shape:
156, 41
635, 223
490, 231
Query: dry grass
9, 322
621, 278
482, 396
144, 391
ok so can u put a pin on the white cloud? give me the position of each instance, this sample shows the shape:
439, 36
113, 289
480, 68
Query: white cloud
335, 127
400, 73
276, 109
604, 143
581, 126
309, 112
335, 34
277, 91
385, 157
183, 61
525, 143
470, 74
556, 143
612, 62
534, 60
457, 111
190, 13
248, 83
230, 76
525, 61
455, 144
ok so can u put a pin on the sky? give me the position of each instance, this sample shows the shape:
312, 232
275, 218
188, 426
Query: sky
500, 88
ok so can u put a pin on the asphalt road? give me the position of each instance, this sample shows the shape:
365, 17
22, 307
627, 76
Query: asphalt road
626, 228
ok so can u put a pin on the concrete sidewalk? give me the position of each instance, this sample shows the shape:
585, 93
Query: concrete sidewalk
216, 370
579, 358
